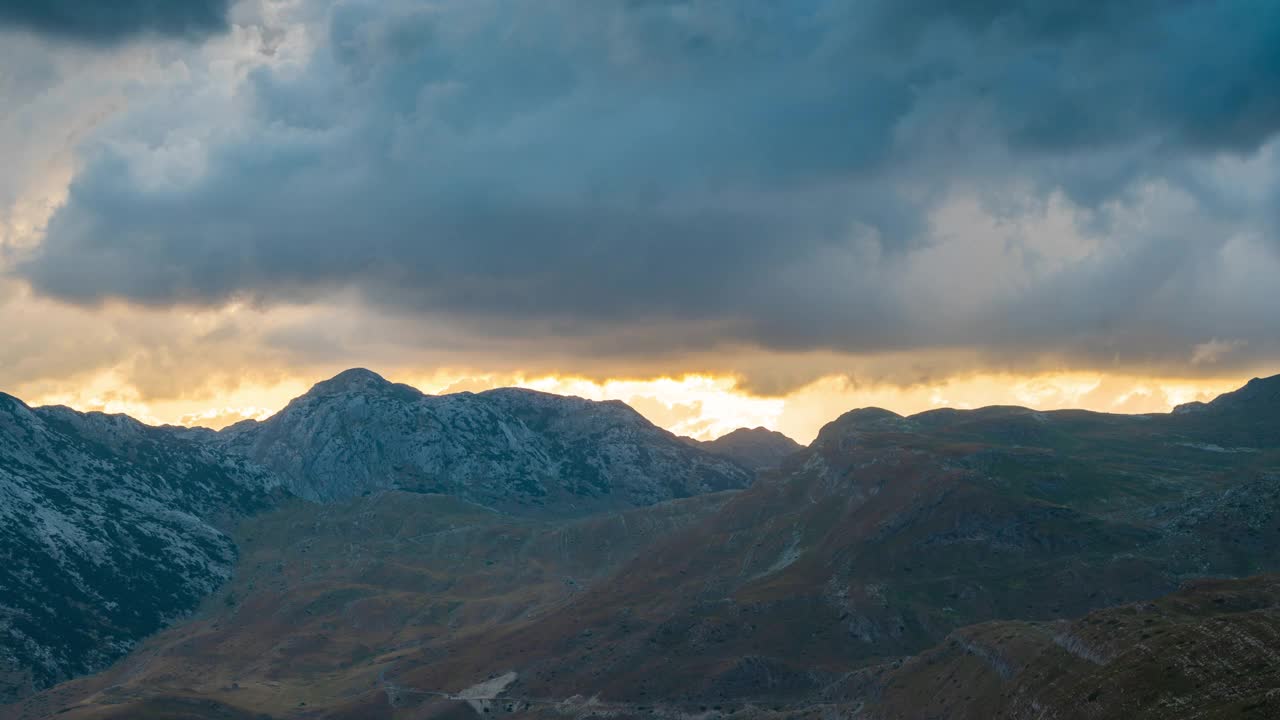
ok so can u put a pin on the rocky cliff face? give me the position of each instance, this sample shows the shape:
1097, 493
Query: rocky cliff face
109, 530
510, 449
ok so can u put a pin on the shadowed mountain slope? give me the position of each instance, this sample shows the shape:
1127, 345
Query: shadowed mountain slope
329, 600
1209, 651
109, 530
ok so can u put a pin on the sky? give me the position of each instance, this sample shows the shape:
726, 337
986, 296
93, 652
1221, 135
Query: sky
724, 212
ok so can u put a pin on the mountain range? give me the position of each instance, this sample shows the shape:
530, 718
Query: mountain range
512, 449
373, 552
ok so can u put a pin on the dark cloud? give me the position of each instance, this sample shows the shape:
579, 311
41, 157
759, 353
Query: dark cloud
1026, 20
111, 21
1061, 76
765, 172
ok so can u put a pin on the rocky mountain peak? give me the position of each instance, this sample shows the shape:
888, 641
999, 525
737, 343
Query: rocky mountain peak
536, 406
1248, 417
855, 420
1257, 394
12, 405
333, 400
757, 433
354, 380
754, 448
509, 448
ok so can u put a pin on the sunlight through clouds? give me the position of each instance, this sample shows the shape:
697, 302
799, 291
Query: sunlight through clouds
699, 406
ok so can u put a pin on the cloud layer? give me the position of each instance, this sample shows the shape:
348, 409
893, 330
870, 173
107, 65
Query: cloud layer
105, 22
1088, 183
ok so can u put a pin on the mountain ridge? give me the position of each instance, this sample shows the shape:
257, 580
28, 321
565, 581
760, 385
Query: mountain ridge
511, 448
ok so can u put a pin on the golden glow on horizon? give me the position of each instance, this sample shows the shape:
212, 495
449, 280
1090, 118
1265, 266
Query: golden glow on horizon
702, 406
215, 367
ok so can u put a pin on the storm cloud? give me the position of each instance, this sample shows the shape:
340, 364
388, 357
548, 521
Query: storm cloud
1034, 177
106, 22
